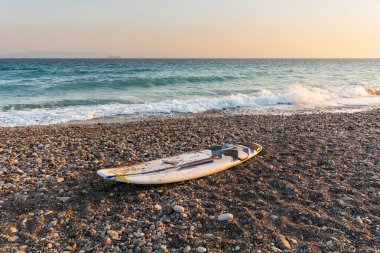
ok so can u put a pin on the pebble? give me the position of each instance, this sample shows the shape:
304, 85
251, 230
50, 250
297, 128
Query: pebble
359, 221
331, 162
64, 199
12, 230
187, 249
52, 224
178, 209
113, 234
290, 187
141, 243
282, 242
225, 217
330, 244
70, 248
13, 238
23, 247
274, 217
201, 250
106, 241
60, 180
275, 249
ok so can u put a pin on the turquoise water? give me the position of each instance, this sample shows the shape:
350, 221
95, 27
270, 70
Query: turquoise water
46, 91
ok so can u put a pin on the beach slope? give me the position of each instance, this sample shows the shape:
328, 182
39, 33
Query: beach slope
315, 186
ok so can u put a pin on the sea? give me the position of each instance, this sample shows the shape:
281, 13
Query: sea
50, 91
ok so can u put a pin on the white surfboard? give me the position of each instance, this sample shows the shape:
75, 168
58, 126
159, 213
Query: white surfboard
183, 167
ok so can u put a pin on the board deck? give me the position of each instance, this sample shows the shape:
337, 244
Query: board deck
183, 167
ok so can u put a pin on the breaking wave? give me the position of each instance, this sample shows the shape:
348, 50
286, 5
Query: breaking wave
294, 96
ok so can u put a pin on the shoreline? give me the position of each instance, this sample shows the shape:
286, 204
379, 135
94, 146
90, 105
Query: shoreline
316, 183
294, 110
227, 113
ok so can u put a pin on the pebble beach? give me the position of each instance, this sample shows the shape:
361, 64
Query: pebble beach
315, 187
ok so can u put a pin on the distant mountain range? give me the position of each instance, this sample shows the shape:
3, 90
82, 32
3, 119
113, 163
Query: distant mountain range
56, 54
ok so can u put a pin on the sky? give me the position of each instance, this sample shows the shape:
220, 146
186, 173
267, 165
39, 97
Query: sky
191, 28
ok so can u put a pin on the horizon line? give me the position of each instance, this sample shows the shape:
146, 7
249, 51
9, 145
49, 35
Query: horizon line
200, 58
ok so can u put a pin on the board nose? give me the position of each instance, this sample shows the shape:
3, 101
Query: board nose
256, 147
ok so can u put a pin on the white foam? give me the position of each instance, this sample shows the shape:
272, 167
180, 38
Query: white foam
295, 96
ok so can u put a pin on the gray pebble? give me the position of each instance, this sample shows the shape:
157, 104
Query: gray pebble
201, 249
178, 209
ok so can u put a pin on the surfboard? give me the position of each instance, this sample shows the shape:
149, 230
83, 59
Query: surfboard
183, 167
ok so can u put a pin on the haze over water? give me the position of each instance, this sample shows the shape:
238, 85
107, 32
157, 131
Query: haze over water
42, 91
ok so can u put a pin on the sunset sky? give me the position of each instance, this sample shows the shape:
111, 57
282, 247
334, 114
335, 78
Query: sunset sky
193, 28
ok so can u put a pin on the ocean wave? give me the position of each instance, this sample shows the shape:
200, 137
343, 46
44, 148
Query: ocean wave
61, 104
140, 82
374, 91
301, 95
294, 96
